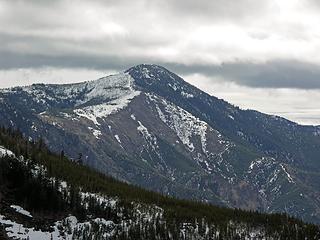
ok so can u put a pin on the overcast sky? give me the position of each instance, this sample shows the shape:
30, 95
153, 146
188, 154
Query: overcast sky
256, 54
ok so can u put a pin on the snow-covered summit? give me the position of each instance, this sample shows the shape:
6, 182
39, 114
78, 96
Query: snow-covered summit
89, 99
109, 88
106, 96
106, 88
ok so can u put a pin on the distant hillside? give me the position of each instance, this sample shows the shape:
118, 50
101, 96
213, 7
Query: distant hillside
46, 196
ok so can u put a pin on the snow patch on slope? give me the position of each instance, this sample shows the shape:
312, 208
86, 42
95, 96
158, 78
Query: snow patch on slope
117, 138
267, 175
5, 152
183, 123
91, 100
69, 225
20, 210
97, 133
289, 178
105, 109
116, 92
187, 95
147, 136
194, 134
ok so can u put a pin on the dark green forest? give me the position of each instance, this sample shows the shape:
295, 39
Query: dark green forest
42, 197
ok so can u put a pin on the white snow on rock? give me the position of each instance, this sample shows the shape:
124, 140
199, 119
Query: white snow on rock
133, 117
146, 73
257, 163
5, 152
18, 231
231, 117
151, 140
187, 95
266, 163
289, 178
117, 138
97, 133
183, 123
141, 128
103, 110
21, 210
70, 226
115, 91
86, 114
92, 99
268, 175
100, 198
194, 133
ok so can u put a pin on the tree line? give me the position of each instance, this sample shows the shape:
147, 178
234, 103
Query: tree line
39, 194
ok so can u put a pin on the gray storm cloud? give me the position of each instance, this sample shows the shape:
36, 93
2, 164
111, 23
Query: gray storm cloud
272, 74
270, 44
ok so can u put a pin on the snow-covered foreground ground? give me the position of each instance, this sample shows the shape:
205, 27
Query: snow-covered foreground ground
64, 229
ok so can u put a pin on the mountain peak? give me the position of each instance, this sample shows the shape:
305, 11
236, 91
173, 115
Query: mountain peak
150, 72
149, 127
149, 66
151, 77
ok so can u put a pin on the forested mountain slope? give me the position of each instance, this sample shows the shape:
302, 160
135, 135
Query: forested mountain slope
46, 196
